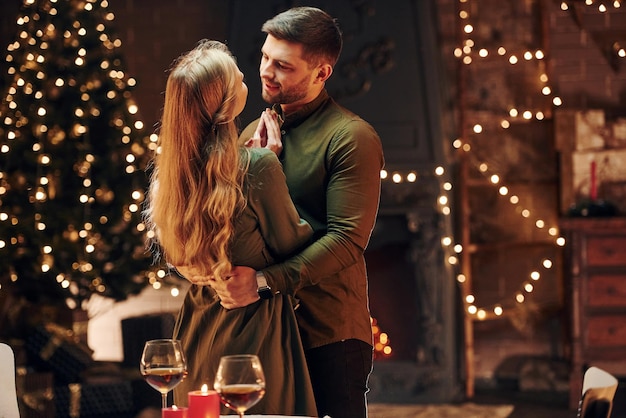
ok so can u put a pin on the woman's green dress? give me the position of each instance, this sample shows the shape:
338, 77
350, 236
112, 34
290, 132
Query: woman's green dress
269, 230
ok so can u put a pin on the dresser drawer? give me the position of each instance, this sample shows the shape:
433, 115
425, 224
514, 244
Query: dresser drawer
606, 291
606, 331
606, 250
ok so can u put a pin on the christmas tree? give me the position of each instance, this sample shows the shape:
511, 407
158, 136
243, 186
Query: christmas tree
73, 157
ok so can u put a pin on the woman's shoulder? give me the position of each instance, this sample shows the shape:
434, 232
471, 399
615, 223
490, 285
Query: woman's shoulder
262, 158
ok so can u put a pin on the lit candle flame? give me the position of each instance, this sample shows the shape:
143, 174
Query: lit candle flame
205, 389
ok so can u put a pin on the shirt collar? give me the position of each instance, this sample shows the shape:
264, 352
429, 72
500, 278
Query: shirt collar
304, 112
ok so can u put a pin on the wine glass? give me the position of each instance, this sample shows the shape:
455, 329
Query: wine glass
163, 365
240, 382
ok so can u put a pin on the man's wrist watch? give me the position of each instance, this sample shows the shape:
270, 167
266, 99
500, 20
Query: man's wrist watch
263, 289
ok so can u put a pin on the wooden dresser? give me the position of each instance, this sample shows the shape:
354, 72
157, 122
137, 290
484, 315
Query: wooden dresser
595, 286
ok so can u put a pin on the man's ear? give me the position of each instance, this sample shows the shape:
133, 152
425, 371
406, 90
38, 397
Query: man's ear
323, 72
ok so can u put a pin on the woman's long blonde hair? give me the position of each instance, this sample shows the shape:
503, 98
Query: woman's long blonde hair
196, 186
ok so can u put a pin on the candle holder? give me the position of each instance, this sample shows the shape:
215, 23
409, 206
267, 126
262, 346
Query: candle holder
592, 206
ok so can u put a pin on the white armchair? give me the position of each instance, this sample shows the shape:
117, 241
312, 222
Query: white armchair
599, 389
8, 393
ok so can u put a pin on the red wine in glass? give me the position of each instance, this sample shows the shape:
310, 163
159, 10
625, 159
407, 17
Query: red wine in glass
240, 382
163, 365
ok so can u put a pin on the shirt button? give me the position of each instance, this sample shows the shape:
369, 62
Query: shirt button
283, 132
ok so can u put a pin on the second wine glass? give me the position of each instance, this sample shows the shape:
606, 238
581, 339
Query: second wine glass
240, 382
163, 365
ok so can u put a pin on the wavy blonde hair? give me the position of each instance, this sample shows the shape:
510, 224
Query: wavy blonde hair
196, 186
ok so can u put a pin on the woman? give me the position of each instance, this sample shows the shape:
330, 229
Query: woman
214, 204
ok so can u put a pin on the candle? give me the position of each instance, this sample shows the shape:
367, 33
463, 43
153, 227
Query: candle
204, 403
174, 412
593, 193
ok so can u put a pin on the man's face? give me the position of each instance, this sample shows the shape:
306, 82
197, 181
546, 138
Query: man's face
286, 78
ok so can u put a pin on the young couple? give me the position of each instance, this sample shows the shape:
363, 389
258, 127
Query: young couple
270, 225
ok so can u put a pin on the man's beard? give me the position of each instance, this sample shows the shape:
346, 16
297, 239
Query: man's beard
292, 95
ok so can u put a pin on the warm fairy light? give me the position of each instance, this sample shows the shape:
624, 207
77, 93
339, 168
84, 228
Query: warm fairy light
383, 173
477, 128
547, 263
535, 275
560, 241
498, 310
528, 287
461, 278
439, 171
396, 178
446, 241
503, 190
495, 179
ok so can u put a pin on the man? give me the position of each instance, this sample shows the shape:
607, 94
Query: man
332, 160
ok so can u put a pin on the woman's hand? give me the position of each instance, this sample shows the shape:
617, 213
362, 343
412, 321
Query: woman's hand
267, 133
192, 275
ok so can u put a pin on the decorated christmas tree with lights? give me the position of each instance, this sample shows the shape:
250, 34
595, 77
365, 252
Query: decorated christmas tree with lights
73, 157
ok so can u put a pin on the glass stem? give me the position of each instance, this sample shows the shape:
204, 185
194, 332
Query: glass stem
164, 402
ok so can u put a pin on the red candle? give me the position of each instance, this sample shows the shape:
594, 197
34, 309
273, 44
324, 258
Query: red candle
204, 403
174, 412
593, 193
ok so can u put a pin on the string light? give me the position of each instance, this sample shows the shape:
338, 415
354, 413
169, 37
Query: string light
467, 54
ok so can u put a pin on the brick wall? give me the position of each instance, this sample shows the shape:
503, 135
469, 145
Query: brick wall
580, 39
155, 32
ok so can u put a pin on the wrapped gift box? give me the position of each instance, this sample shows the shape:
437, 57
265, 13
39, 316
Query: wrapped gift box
137, 330
95, 398
55, 348
35, 393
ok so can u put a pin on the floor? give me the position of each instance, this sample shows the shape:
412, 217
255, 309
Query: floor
528, 404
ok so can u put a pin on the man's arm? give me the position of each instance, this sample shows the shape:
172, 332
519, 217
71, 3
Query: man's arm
353, 193
352, 204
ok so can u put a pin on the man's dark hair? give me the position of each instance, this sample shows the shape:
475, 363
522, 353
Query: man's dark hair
316, 30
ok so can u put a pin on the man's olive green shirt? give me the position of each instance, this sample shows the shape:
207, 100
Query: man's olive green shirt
332, 160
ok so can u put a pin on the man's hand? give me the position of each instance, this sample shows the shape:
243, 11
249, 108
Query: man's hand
267, 133
238, 290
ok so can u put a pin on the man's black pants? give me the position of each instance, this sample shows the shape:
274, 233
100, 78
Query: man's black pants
339, 373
